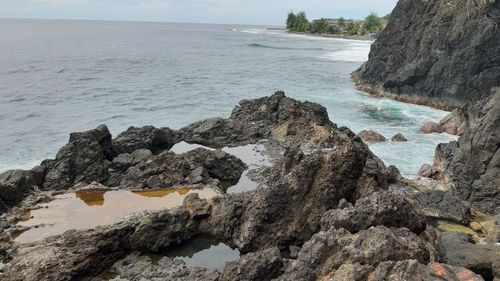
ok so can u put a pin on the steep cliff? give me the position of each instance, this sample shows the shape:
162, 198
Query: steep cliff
441, 53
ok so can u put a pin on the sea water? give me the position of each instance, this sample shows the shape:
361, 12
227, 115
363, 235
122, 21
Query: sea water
58, 77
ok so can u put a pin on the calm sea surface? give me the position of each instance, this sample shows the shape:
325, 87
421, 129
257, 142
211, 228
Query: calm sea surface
58, 77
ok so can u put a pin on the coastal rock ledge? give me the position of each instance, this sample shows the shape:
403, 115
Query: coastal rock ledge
324, 211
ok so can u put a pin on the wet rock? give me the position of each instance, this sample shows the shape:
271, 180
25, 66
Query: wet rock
263, 265
328, 250
148, 137
399, 138
426, 171
86, 158
371, 136
457, 249
380, 208
197, 166
277, 116
443, 205
431, 127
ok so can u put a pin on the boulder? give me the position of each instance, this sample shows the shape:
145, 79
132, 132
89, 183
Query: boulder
431, 127
371, 136
399, 138
457, 249
148, 137
16, 184
263, 265
413, 270
168, 169
380, 208
279, 117
328, 251
426, 171
86, 158
443, 205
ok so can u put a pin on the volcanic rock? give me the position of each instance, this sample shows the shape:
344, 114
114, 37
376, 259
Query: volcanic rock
371, 136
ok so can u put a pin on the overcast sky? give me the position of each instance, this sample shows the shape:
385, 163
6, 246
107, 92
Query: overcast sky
266, 12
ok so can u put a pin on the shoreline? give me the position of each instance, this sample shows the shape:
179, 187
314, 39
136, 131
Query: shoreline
377, 91
335, 36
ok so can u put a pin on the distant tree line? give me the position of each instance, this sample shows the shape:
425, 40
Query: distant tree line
371, 24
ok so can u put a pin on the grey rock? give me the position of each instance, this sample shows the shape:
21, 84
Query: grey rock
263, 265
148, 137
426, 171
431, 52
399, 138
86, 158
458, 250
371, 136
380, 208
15, 185
443, 205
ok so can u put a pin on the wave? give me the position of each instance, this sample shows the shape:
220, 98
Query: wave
257, 45
356, 54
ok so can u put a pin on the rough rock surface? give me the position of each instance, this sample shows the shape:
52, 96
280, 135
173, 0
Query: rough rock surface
472, 164
86, 158
457, 249
148, 137
197, 166
259, 266
371, 136
444, 205
16, 184
399, 138
278, 117
381, 208
440, 53
328, 250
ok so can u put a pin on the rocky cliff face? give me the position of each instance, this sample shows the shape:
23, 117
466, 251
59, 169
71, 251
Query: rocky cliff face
436, 52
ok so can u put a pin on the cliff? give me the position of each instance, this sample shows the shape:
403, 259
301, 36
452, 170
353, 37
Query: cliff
441, 53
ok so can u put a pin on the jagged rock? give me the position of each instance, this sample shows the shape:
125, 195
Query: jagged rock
371, 136
381, 208
86, 158
148, 137
457, 249
16, 184
472, 164
442, 62
137, 267
263, 265
426, 171
126, 160
277, 116
196, 166
328, 250
431, 127
399, 138
443, 205
413, 270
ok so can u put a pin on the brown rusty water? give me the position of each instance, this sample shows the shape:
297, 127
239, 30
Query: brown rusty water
89, 209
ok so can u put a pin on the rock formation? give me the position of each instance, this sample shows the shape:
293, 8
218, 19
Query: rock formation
439, 53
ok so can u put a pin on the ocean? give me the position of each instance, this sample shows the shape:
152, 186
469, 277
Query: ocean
58, 77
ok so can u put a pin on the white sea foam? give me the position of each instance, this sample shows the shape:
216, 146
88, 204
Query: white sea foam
355, 53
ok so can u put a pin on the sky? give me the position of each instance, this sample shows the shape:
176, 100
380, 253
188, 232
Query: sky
259, 12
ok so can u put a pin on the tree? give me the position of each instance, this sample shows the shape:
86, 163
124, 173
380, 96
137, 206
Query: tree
341, 22
291, 20
320, 26
353, 28
297, 22
372, 24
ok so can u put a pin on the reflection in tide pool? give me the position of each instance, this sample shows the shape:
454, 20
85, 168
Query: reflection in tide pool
206, 252
89, 209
